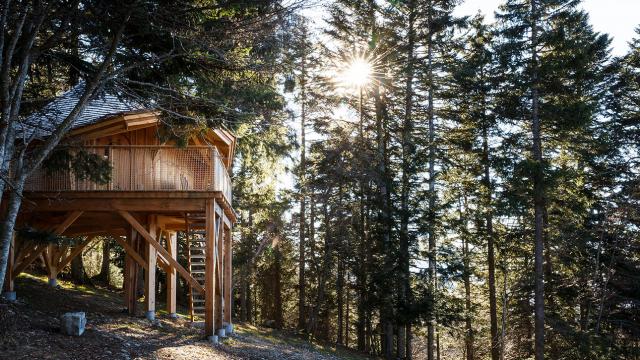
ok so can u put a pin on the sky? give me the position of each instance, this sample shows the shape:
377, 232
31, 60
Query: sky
618, 18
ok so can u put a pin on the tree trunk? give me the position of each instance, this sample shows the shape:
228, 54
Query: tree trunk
538, 191
431, 322
106, 257
7, 226
384, 218
278, 288
347, 315
503, 332
467, 290
340, 299
243, 296
409, 345
25, 166
408, 149
326, 267
493, 308
302, 182
77, 270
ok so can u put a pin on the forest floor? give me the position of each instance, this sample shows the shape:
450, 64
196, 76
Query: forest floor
29, 329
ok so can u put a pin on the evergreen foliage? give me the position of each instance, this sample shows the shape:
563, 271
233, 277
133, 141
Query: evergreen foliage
476, 197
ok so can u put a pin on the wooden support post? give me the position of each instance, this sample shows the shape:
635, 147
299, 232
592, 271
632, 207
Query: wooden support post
150, 274
126, 276
9, 291
52, 271
210, 268
130, 271
172, 248
136, 268
228, 285
219, 269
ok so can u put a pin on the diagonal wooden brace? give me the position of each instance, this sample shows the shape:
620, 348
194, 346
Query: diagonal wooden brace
132, 252
75, 252
153, 242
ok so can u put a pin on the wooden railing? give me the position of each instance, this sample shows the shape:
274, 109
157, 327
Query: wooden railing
145, 168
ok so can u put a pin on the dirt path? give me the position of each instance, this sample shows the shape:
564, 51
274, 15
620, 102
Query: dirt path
29, 329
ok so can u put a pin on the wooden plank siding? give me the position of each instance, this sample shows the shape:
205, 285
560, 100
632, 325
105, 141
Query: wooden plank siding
145, 168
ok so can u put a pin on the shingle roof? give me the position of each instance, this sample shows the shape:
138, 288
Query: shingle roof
104, 105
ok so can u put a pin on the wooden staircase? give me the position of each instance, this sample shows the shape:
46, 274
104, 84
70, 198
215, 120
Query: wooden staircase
196, 261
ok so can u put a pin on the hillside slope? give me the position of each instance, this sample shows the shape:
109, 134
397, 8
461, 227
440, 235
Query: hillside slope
29, 329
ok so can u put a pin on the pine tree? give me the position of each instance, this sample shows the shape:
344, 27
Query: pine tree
552, 63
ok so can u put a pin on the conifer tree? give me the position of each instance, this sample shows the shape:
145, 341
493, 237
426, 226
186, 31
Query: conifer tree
545, 51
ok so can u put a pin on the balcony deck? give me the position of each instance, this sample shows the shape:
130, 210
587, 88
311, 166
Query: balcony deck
144, 169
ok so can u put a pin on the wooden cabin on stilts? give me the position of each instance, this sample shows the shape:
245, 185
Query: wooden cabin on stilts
156, 194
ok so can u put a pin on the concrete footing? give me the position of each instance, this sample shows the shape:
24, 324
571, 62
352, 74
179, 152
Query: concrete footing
73, 323
173, 315
213, 339
228, 328
53, 282
222, 333
9, 295
150, 315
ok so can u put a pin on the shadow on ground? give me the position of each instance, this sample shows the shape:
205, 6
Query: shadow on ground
29, 329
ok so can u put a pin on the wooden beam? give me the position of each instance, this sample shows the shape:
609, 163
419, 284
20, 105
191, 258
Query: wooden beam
107, 131
22, 251
70, 219
172, 247
219, 254
226, 221
210, 269
129, 250
49, 262
65, 196
99, 125
228, 272
131, 272
219, 278
113, 203
145, 234
141, 122
138, 115
54, 252
150, 274
26, 262
161, 262
75, 252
